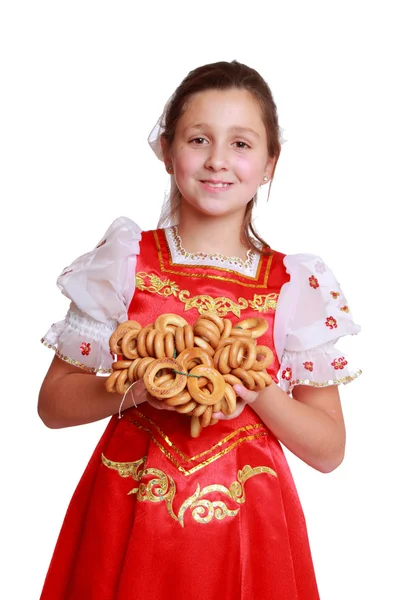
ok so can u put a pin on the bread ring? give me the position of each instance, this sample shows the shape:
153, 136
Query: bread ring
169, 322
261, 365
149, 341
132, 369
186, 408
227, 329
206, 331
150, 378
216, 379
228, 403
245, 378
239, 332
258, 380
217, 320
221, 360
141, 340
116, 339
189, 336
195, 427
200, 343
267, 378
129, 344
199, 410
165, 380
257, 326
111, 380
141, 367
169, 345
129, 325
182, 398
179, 340
232, 379
212, 327
122, 383
159, 345
121, 364
191, 357
206, 416
236, 356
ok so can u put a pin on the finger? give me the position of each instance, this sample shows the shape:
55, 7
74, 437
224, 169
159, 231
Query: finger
246, 395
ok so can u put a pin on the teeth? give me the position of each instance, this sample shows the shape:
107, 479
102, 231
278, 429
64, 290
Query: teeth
210, 183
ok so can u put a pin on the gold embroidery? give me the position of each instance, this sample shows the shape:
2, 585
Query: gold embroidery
217, 445
207, 274
264, 302
343, 380
162, 488
203, 464
221, 305
158, 286
72, 361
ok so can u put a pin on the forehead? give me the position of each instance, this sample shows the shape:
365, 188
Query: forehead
230, 108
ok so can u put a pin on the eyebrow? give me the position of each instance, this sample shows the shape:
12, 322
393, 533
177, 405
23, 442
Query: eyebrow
233, 129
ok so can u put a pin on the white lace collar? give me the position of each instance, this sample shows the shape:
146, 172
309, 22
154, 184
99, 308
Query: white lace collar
179, 255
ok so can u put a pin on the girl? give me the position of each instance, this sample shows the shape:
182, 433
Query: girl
158, 512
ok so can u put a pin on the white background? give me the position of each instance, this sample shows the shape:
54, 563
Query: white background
82, 85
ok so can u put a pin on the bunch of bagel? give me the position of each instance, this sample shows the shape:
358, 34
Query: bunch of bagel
191, 367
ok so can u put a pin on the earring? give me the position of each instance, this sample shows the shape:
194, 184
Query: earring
170, 169
265, 179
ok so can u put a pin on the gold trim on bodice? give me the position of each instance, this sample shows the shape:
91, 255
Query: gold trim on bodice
221, 305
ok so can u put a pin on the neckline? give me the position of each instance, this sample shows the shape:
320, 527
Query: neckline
215, 257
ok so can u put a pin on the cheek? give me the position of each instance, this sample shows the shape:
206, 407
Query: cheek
249, 169
186, 164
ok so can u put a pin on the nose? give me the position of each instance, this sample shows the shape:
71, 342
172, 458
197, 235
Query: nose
217, 157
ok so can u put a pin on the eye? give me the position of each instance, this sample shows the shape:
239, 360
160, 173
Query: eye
198, 141
241, 145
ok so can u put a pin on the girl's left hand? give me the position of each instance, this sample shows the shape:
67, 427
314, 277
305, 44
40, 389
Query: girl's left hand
246, 397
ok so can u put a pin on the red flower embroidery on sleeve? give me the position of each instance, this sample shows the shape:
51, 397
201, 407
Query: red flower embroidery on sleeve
309, 366
313, 282
335, 295
339, 363
345, 309
331, 323
287, 374
85, 349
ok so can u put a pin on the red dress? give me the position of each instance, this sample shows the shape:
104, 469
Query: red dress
158, 514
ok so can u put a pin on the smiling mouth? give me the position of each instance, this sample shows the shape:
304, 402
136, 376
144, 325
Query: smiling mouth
216, 184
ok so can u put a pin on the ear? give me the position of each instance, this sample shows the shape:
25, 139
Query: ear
269, 170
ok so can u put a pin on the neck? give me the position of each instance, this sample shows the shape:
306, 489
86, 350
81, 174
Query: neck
210, 234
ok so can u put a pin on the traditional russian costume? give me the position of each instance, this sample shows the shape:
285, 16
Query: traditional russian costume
157, 513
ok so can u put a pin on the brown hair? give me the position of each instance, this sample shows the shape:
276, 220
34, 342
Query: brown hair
222, 76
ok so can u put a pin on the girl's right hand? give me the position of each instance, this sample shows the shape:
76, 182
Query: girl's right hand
141, 395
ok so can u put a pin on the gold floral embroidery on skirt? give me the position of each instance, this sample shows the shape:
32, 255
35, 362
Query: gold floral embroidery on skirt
162, 488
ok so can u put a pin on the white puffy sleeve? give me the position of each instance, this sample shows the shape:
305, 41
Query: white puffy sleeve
100, 285
311, 315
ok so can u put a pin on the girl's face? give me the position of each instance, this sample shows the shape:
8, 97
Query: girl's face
219, 154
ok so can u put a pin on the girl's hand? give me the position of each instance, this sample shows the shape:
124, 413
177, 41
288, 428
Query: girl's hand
246, 397
140, 395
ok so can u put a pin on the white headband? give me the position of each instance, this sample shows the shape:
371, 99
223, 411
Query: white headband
154, 138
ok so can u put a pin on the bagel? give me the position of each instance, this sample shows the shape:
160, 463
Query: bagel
256, 325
